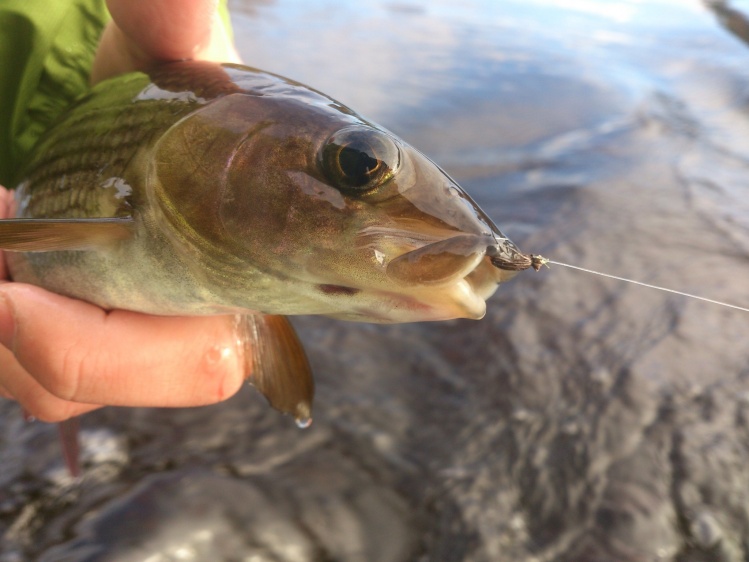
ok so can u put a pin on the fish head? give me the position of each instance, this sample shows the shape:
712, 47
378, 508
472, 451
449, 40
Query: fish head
298, 203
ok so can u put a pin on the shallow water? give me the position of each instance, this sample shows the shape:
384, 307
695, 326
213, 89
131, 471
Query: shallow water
582, 420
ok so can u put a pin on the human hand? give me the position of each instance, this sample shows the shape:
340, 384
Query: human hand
142, 34
60, 357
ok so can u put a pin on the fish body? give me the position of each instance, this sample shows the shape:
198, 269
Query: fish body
203, 189
228, 186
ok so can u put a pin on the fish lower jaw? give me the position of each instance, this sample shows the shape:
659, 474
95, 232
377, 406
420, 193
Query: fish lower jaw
458, 300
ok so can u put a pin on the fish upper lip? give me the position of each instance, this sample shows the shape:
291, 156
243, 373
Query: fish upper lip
440, 262
502, 251
373, 236
464, 244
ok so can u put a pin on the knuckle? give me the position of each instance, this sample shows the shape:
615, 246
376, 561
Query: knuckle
64, 382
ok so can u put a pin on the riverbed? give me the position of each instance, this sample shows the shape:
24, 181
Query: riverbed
583, 419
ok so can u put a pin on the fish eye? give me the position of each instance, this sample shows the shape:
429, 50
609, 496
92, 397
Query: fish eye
359, 159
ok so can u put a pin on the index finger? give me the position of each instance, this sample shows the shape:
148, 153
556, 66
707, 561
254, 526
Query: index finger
119, 357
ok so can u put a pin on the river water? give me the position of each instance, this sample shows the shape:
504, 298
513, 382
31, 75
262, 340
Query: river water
583, 419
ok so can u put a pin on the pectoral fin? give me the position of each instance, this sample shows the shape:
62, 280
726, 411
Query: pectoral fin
46, 235
278, 365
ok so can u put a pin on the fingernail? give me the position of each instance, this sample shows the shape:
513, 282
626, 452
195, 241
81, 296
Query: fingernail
7, 321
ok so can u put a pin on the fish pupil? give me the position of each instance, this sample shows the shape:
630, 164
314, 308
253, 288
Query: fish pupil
358, 163
358, 159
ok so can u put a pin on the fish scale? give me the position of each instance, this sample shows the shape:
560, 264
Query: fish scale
66, 180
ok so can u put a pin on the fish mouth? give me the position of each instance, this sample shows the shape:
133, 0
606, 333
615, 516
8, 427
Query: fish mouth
453, 277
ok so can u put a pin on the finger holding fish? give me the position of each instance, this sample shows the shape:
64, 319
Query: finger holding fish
36, 401
15, 382
118, 358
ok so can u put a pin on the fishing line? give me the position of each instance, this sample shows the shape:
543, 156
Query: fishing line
544, 261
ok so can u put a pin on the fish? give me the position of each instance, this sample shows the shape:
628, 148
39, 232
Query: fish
200, 188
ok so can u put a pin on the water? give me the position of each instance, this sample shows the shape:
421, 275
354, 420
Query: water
583, 419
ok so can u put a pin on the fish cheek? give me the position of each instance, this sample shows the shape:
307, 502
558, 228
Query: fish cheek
256, 202
272, 206
191, 161
284, 216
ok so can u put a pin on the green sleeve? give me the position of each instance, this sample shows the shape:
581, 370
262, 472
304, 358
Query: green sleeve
47, 48
46, 53
223, 11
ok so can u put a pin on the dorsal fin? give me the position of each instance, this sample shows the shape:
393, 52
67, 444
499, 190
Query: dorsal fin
46, 235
